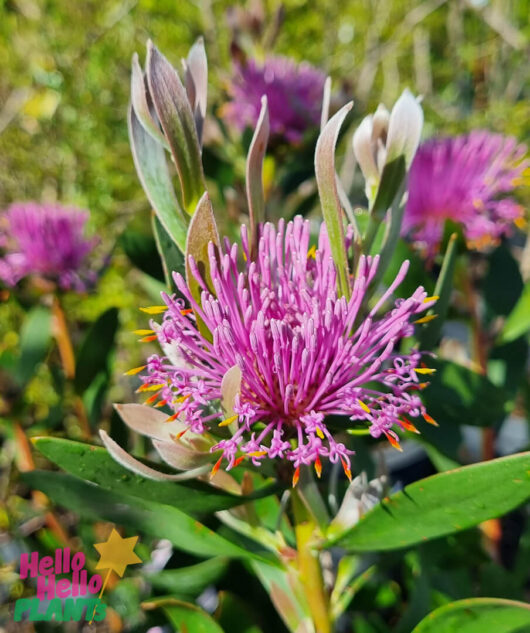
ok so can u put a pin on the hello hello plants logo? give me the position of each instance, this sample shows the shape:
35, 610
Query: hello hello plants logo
74, 597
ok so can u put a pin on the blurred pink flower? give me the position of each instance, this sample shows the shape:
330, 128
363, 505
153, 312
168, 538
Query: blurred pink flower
46, 240
466, 179
294, 95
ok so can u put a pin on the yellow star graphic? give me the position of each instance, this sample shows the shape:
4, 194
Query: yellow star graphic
117, 552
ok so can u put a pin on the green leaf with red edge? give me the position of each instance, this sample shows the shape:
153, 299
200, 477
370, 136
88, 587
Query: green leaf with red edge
329, 198
442, 504
477, 615
202, 231
174, 113
185, 617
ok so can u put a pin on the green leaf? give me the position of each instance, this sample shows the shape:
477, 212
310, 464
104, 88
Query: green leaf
431, 332
175, 115
442, 504
503, 283
329, 197
156, 519
518, 321
392, 178
477, 615
254, 175
172, 257
142, 251
458, 394
94, 464
235, 615
151, 166
186, 617
189, 581
35, 337
94, 353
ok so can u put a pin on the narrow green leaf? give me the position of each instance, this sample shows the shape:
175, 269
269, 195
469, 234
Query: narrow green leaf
156, 519
518, 321
171, 256
202, 231
191, 580
141, 250
196, 66
175, 115
431, 332
329, 198
96, 348
151, 166
35, 338
94, 464
392, 178
442, 504
478, 615
254, 175
186, 617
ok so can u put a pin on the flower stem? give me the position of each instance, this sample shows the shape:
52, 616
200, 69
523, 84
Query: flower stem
309, 566
66, 352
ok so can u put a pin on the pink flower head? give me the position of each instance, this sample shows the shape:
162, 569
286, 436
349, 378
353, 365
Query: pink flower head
294, 94
465, 179
46, 240
304, 352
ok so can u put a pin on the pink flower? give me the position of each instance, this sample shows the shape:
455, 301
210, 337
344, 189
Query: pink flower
304, 352
466, 179
294, 96
48, 241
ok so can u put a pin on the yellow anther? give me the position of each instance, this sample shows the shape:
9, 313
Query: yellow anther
363, 406
154, 309
320, 433
429, 299
135, 370
150, 388
426, 319
312, 252
424, 370
143, 332
228, 420
257, 454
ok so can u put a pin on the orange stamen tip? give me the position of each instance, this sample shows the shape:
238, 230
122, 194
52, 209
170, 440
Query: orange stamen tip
180, 434
393, 442
363, 406
296, 476
408, 426
426, 319
143, 332
186, 311
257, 454
429, 299
216, 467
346, 468
238, 461
318, 467
173, 417
135, 370
228, 420
154, 309
146, 387
151, 399
430, 420
320, 433
162, 403
148, 339
425, 370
